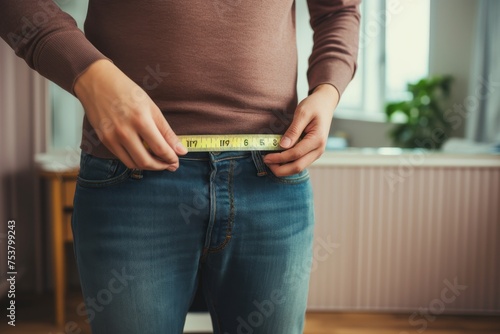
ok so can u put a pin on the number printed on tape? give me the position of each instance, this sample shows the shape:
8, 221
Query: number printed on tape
236, 142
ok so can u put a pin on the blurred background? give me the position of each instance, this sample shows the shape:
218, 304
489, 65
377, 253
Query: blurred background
407, 194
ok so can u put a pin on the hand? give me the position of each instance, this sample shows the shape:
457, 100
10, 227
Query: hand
313, 116
124, 116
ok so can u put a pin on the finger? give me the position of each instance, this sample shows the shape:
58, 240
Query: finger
306, 145
157, 144
120, 152
294, 131
167, 133
296, 166
142, 158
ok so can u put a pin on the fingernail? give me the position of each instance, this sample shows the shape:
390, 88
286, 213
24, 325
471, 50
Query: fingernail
285, 142
180, 148
172, 168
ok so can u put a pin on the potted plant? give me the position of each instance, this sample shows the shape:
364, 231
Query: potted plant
420, 121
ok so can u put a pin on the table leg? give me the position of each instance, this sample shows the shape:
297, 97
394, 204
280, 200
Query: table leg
58, 247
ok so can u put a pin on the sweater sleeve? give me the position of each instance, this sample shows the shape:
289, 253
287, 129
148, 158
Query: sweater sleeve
48, 39
336, 37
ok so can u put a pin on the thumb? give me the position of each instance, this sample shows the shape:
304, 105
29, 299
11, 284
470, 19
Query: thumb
295, 129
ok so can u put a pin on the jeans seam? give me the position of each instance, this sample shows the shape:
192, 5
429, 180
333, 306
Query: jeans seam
292, 181
103, 183
212, 212
230, 221
111, 169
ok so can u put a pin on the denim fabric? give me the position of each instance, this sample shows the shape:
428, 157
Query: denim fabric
144, 239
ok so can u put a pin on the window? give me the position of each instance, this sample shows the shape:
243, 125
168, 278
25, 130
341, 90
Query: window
407, 45
394, 50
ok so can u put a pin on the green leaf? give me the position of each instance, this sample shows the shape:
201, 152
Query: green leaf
425, 123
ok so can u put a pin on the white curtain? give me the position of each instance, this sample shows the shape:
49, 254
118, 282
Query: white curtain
483, 103
23, 133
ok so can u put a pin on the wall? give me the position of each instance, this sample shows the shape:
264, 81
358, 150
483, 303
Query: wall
363, 133
453, 26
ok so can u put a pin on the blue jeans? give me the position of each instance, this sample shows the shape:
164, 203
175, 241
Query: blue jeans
143, 241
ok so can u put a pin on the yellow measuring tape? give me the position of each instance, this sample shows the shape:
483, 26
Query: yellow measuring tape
234, 142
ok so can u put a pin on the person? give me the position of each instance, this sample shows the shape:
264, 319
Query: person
151, 220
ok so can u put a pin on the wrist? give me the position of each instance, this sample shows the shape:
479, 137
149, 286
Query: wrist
91, 74
328, 92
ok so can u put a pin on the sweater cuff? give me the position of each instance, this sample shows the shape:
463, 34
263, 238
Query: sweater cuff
65, 56
334, 72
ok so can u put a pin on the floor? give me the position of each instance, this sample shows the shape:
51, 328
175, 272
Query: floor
34, 316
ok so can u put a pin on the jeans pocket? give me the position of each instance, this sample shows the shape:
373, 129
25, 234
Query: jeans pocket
263, 169
100, 172
297, 178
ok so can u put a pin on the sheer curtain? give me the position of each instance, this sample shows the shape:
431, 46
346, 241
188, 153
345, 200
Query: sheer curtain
483, 103
23, 133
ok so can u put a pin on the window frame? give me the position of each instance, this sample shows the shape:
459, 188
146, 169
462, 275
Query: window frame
372, 69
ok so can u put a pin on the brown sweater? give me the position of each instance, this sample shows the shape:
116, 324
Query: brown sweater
221, 66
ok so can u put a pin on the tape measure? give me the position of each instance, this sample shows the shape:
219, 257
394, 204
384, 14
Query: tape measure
234, 142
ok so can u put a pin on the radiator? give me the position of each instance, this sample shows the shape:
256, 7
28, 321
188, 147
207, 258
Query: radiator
406, 237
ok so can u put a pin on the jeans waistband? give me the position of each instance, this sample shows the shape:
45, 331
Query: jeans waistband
228, 155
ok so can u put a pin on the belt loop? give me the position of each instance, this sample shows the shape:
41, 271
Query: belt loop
136, 174
259, 163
